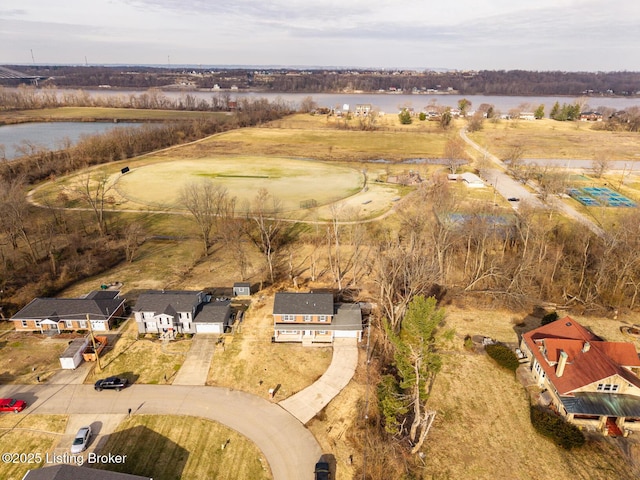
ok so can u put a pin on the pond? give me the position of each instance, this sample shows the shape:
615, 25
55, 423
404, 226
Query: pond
15, 140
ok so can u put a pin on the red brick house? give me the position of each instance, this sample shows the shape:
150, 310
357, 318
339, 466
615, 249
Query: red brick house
102, 307
314, 318
591, 382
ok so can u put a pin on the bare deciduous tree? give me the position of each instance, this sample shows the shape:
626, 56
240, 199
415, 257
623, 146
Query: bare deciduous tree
454, 152
268, 234
133, 236
93, 191
208, 204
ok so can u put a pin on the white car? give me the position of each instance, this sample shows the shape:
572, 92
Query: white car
81, 440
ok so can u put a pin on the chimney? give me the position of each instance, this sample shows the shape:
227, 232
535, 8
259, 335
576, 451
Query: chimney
562, 362
586, 347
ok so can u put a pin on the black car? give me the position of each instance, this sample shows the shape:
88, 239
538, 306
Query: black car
322, 471
513, 199
112, 383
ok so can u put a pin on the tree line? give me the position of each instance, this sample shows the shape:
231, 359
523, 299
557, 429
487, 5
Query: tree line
487, 82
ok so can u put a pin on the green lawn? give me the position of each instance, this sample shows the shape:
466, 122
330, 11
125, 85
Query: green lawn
186, 448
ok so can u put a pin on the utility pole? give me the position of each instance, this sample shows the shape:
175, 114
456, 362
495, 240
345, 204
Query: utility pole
93, 343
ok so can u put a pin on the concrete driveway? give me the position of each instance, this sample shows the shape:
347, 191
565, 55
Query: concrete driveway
290, 449
305, 404
195, 368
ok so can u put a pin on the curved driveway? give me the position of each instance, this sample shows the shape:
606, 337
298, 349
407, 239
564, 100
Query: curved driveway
290, 449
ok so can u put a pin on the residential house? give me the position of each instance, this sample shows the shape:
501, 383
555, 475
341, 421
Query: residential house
314, 318
168, 312
590, 117
101, 308
363, 109
591, 382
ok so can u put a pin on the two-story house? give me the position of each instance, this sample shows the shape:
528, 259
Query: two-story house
314, 318
169, 312
101, 308
591, 382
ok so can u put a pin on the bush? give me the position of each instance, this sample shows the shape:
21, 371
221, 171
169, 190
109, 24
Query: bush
468, 342
555, 427
549, 318
503, 356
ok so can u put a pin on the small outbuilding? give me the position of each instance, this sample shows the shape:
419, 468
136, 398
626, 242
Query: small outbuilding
241, 289
72, 356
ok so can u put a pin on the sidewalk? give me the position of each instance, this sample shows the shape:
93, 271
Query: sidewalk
305, 404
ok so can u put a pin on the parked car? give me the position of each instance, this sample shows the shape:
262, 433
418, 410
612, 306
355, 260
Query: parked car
513, 199
111, 383
12, 405
81, 440
322, 471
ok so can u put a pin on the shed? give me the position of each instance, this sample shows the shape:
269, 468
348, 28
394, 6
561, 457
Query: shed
72, 356
241, 288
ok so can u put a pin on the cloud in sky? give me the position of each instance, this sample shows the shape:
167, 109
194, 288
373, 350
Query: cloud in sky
473, 34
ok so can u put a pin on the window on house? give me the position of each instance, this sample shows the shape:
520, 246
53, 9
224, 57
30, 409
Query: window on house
38, 323
83, 323
288, 318
608, 387
25, 324
322, 332
289, 332
68, 323
307, 318
322, 318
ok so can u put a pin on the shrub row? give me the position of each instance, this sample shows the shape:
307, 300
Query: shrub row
555, 427
503, 356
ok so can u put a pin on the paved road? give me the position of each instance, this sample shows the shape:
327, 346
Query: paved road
290, 449
507, 187
305, 404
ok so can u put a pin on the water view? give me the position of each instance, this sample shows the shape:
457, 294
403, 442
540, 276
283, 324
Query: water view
18, 140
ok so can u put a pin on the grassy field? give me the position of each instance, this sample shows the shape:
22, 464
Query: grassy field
188, 448
548, 138
27, 433
292, 181
269, 157
26, 356
97, 113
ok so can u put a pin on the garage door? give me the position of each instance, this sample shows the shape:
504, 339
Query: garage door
345, 334
208, 328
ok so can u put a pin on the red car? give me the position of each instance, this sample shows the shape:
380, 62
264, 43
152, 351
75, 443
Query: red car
12, 405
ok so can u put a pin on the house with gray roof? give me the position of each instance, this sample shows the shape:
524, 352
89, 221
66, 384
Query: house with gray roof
102, 308
314, 318
167, 312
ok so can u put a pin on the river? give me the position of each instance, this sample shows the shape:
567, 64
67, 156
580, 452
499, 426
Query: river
391, 102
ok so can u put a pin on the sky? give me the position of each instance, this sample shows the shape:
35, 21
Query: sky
568, 35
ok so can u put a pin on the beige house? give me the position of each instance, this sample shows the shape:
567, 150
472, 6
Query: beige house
591, 382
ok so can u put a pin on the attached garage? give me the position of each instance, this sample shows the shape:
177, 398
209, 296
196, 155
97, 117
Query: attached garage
208, 328
213, 317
